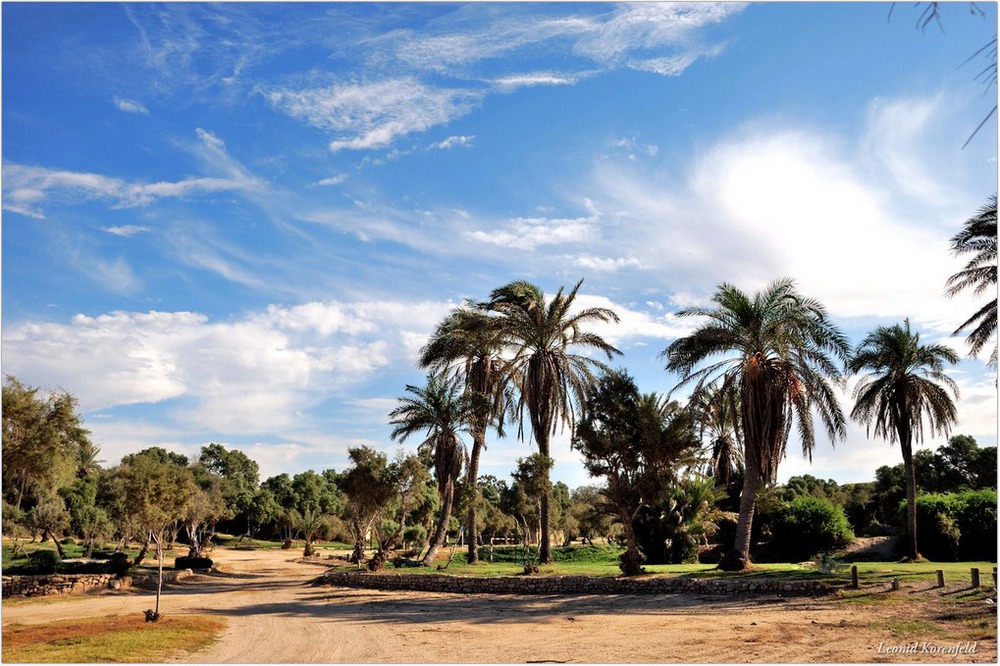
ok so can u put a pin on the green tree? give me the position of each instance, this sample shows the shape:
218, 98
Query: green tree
774, 355
87, 519
50, 518
156, 494
635, 442
442, 410
43, 437
906, 383
692, 515
979, 238
467, 343
240, 477
370, 486
540, 337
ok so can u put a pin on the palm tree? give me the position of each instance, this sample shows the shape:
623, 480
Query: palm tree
552, 381
773, 355
717, 421
442, 410
902, 386
467, 342
980, 274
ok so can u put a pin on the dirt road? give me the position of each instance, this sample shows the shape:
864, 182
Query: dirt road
274, 616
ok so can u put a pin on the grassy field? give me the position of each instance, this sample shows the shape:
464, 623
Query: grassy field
108, 639
602, 561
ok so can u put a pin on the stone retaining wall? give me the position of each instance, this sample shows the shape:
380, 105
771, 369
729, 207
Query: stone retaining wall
569, 584
33, 586
147, 579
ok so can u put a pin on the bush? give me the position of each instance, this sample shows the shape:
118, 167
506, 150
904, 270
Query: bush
807, 526
193, 563
953, 526
43, 562
118, 564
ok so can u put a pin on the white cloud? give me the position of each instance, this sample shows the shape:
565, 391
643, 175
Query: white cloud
127, 230
27, 187
373, 115
258, 375
453, 141
130, 106
512, 82
332, 180
606, 264
534, 232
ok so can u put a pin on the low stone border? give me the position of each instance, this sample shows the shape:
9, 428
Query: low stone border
147, 580
570, 584
34, 586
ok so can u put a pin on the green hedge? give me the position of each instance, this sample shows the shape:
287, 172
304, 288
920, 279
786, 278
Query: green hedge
957, 526
807, 526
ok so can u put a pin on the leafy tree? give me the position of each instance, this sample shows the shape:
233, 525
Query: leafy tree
156, 494
370, 487
87, 519
979, 238
316, 492
592, 512
43, 439
205, 507
281, 490
551, 379
525, 497
905, 384
50, 518
717, 419
774, 355
635, 442
309, 523
240, 477
442, 410
467, 343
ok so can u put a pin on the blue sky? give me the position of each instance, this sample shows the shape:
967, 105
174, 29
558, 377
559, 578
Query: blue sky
238, 223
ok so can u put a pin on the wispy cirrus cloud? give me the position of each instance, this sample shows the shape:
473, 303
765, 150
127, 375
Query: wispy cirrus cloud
373, 115
26, 187
127, 230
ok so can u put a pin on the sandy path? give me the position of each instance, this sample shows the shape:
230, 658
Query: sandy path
274, 616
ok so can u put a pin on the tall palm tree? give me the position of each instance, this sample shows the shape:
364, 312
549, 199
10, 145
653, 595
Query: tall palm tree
552, 381
467, 343
980, 275
442, 410
774, 356
905, 383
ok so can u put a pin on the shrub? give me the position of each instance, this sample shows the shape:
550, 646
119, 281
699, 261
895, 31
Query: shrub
953, 526
193, 563
118, 564
807, 526
43, 562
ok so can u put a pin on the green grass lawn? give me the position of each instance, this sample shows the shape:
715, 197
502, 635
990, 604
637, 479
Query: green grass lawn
602, 561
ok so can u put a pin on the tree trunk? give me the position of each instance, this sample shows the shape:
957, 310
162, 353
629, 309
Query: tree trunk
159, 577
90, 548
142, 553
631, 559
472, 482
544, 548
441, 533
738, 557
59, 548
911, 500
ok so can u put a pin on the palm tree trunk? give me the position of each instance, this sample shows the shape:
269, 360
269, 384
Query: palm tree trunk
911, 499
441, 533
737, 558
472, 482
544, 548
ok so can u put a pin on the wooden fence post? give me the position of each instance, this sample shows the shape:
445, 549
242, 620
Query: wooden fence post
940, 576
975, 577
854, 576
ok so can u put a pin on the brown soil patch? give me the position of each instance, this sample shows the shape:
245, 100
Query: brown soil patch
274, 616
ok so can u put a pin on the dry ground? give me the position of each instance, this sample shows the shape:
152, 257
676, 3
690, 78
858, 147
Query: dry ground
274, 616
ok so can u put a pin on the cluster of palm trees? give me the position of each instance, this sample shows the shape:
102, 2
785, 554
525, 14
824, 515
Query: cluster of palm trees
758, 365
513, 356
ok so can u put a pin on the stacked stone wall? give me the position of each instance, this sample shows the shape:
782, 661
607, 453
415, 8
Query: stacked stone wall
34, 586
570, 584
